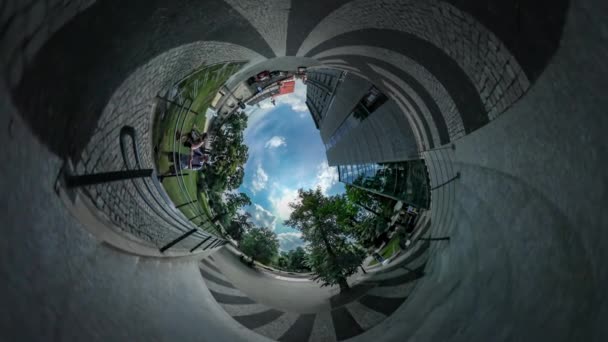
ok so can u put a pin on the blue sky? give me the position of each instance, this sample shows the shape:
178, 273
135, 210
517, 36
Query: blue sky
285, 153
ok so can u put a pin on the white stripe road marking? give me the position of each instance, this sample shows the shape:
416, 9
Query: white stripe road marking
291, 279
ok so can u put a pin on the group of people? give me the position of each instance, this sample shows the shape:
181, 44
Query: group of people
197, 158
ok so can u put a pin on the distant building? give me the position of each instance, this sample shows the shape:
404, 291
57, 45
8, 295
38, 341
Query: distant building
287, 86
226, 101
321, 85
266, 93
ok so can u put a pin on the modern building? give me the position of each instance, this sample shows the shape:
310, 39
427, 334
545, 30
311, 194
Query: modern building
347, 110
287, 86
228, 100
321, 85
405, 181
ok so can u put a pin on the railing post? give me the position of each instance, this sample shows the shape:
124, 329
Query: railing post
192, 218
446, 182
161, 177
217, 243
174, 242
443, 238
177, 104
187, 203
105, 177
200, 243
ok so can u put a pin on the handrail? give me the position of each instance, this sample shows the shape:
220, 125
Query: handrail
181, 117
177, 162
130, 131
443, 177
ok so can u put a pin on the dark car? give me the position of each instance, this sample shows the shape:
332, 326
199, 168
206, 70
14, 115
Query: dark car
263, 76
278, 73
251, 80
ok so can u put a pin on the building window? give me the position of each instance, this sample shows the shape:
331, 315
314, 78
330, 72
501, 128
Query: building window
373, 99
404, 181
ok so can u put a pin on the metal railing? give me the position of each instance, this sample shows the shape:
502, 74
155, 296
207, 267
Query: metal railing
123, 185
147, 192
444, 177
191, 202
185, 109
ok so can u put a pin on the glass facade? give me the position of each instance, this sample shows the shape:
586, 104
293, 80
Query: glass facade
371, 101
404, 181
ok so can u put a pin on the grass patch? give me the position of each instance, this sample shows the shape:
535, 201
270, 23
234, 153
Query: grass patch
391, 248
196, 93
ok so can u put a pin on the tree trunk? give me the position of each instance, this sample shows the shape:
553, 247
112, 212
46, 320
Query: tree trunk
343, 285
363, 269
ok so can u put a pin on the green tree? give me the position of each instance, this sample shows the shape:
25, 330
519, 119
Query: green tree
239, 225
369, 201
283, 261
236, 179
373, 219
227, 209
325, 223
297, 260
260, 244
228, 154
237, 200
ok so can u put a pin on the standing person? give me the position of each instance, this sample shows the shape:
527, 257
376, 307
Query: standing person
196, 160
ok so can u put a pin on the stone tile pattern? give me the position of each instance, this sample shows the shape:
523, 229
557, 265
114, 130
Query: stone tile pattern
269, 18
375, 298
27, 26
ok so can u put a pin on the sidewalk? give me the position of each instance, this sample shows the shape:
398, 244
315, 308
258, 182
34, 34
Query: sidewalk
268, 269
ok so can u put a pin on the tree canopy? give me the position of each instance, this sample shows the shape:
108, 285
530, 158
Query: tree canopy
326, 224
239, 225
293, 261
226, 169
260, 244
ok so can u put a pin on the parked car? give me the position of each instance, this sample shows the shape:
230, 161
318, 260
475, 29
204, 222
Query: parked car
263, 76
301, 70
251, 80
278, 73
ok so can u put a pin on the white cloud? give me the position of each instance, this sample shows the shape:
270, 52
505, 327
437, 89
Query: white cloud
280, 196
327, 176
280, 199
262, 217
257, 113
275, 142
260, 178
289, 241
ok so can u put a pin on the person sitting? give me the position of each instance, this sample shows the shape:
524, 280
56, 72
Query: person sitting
193, 140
